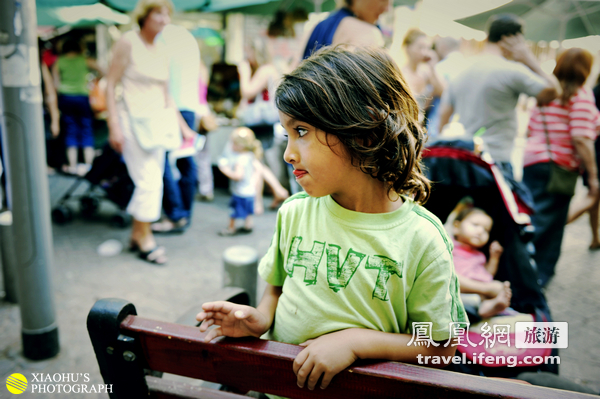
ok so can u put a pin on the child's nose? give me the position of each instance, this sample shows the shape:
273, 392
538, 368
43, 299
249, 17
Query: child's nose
289, 155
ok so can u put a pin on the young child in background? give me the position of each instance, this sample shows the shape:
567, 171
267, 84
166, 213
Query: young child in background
242, 167
355, 260
472, 228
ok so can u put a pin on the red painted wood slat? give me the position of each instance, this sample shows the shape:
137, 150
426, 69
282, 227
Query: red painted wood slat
266, 366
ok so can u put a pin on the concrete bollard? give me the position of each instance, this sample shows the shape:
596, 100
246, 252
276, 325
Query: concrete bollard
241, 269
9, 258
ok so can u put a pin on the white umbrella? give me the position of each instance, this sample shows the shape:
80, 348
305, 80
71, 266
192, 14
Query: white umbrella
79, 16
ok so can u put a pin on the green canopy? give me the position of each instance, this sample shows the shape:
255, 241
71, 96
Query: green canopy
242, 6
210, 36
80, 16
180, 5
547, 19
266, 7
63, 3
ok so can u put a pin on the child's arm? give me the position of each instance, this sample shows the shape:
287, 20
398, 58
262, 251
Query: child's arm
331, 353
495, 253
234, 172
239, 320
470, 286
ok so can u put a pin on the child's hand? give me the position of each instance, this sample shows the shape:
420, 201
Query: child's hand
327, 355
233, 320
496, 249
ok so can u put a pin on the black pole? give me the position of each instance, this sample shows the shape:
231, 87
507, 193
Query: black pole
26, 166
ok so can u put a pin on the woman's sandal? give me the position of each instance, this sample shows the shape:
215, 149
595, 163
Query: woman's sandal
228, 232
133, 246
155, 255
169, 227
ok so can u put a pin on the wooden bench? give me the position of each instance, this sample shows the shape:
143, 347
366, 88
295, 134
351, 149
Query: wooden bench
132, 351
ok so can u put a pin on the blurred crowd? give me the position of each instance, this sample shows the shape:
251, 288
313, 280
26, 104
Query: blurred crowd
156, 105
460, 95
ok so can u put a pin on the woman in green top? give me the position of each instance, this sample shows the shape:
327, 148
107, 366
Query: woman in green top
70, 75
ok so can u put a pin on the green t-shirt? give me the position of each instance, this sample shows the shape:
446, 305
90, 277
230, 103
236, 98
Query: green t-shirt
341, 269
73, 75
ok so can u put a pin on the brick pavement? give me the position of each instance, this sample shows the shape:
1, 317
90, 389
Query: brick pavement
81, 277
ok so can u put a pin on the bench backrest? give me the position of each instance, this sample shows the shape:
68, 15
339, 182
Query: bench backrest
126, 345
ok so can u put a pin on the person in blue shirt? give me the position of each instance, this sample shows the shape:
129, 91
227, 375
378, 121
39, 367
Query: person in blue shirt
354, 23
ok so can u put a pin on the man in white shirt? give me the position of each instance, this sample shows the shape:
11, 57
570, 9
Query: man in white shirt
485, 93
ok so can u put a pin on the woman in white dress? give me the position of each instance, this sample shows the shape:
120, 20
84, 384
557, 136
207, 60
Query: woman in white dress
141, 66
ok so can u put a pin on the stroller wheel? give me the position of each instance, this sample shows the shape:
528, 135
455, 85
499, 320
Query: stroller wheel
89, 206
121, 220
62, 214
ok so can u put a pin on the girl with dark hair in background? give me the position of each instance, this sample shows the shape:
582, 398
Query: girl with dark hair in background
355, 260
563, 132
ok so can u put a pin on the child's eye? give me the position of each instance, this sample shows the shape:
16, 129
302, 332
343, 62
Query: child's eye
301, 131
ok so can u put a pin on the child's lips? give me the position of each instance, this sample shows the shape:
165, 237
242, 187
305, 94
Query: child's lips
299, 173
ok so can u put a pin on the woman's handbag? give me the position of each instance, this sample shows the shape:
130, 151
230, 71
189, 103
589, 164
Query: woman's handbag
562, 181
97, 95
259, 113
159, 129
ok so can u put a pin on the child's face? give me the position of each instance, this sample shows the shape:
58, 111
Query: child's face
474, 230
317, 168
236, 147
420, 50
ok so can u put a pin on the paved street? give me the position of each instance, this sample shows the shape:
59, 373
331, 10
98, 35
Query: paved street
81, 277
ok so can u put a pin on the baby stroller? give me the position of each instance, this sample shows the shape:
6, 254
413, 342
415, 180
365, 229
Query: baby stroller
456, 171
108, 179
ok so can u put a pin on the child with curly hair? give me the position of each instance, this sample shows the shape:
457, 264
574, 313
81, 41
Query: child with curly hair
355, 260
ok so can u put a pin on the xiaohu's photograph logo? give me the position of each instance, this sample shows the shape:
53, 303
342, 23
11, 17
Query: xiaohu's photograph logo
16, 383
62, 383
66, 383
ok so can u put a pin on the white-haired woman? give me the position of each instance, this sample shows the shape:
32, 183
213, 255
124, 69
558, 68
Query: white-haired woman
141, 65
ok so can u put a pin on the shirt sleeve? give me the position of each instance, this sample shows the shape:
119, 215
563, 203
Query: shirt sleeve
435, 298
525, 81
584, 119
271, 267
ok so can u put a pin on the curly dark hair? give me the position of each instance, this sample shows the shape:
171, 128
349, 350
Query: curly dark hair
360, 96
